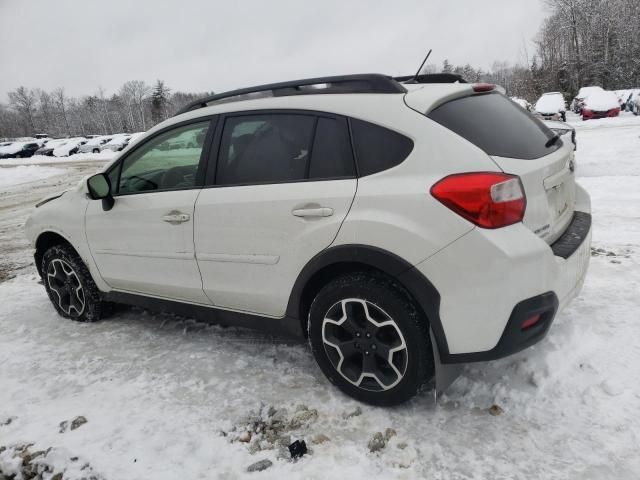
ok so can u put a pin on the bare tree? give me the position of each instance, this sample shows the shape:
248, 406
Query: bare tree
24, 101
61, 103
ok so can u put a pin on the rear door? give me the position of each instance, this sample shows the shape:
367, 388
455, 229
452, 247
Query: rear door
520, 145
283, 184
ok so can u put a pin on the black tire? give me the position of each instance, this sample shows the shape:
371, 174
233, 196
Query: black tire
96, 150
380, 295
64, 271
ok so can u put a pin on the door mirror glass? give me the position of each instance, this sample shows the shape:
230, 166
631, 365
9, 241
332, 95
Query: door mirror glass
99, 186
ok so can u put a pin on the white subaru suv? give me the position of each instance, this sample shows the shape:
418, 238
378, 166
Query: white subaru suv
398, 224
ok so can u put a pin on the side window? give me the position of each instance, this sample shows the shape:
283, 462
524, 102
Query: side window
264, 148
167, 162
378, 148
331, 156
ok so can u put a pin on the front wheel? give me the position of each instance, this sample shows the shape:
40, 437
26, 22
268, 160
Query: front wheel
96, 150
69, 285
370, 339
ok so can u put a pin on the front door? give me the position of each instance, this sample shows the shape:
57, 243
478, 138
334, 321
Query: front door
144, 244
284, 184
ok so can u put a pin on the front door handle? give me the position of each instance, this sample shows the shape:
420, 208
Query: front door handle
175, 218
313, 212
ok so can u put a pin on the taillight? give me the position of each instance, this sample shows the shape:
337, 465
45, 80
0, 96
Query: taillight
483, 87
490, 200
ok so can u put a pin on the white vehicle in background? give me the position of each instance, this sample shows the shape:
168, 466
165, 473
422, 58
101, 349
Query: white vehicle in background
117, 142
325, 222
551, 106
583, 93
48, 148
633, 104
93, 145
71, 146
522, 102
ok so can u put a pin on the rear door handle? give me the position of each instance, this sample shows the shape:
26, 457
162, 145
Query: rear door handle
176, 217
313, 212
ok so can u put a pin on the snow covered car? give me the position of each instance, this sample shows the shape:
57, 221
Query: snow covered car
48, 148
600, 105
317, 216
522, 102
93, 145
551, 106
117, 143
634, 103
71, 146
583, 93
562, 128
19, 149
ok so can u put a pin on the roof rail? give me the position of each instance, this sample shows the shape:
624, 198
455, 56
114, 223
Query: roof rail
431, 78
362, 83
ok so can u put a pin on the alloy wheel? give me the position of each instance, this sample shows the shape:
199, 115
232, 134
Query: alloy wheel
364, 344
64, 282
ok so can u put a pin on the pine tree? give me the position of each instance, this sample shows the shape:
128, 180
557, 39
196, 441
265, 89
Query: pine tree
159, 102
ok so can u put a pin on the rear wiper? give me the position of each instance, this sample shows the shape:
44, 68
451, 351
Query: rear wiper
552, 141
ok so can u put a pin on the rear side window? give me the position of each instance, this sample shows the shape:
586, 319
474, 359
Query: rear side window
497, 125
331, 155
270, 148
378, 148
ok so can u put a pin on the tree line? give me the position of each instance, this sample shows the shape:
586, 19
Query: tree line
135, 107
580, 43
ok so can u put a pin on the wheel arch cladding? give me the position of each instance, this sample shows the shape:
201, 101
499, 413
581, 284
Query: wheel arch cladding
342, 259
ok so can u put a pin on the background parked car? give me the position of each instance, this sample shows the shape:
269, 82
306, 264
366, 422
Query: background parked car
584, 92
93, 145
48, 148
69, 147
522, 102
19, 150
117, 143
551, 106
635, 103
600, 105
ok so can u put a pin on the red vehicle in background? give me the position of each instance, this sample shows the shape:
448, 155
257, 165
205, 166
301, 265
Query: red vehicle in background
600, 105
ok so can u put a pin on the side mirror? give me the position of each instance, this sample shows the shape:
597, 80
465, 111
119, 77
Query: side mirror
100, 189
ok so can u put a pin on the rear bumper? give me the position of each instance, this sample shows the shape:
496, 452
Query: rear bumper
490, 281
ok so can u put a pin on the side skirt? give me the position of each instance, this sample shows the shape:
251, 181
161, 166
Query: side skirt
286, 326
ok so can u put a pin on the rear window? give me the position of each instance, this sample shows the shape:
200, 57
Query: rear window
497, 125
378, 148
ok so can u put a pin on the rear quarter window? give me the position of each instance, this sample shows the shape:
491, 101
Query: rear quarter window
497, 125
378, 148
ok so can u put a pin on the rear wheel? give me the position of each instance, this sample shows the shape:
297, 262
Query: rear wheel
96, 150
69, 285
370, 340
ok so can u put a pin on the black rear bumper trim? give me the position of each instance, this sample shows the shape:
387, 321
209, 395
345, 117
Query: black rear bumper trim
573, 236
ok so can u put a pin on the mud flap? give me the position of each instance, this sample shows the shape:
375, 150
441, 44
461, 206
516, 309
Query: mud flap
445, 375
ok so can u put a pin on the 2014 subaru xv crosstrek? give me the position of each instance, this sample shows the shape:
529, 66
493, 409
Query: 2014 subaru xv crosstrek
367, 213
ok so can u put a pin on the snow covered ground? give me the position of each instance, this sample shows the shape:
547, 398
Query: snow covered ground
162, 395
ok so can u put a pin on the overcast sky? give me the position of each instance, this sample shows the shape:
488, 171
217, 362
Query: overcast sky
215, 45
